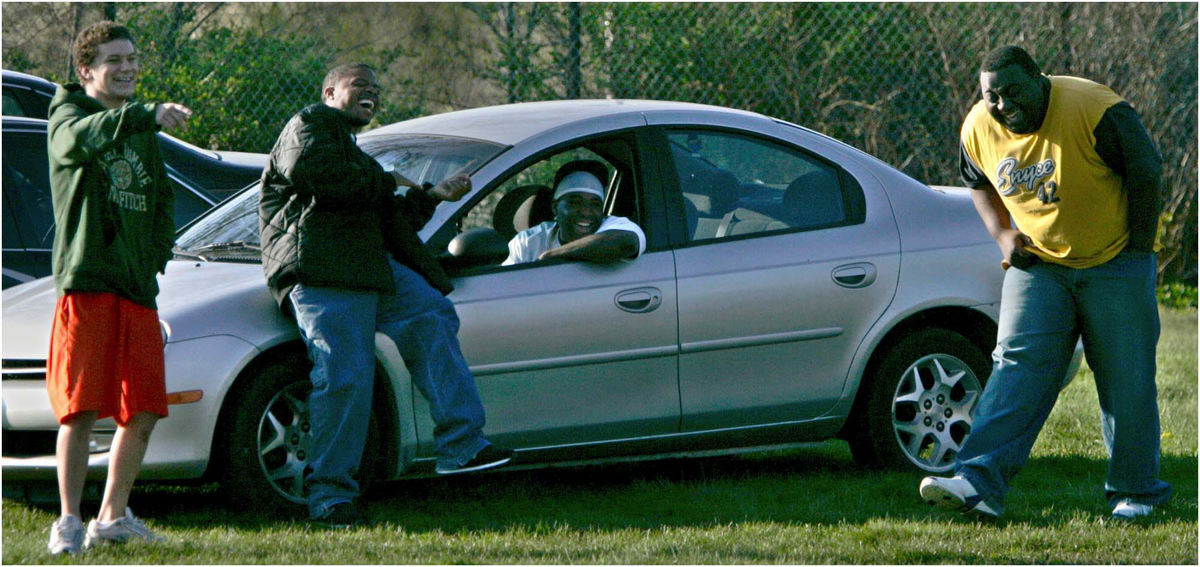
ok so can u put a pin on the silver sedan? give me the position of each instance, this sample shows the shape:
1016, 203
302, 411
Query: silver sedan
793, 289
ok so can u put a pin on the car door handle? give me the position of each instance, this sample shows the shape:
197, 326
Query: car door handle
857, 275
639, 300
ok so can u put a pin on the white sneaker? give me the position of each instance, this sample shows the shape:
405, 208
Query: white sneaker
119, 531
955, 493
1129, 510
66, 535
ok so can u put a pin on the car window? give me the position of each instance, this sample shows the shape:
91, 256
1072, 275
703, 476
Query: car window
420, 158
27, 188
188, 205
734, 185
233, 221
523, 199
428, 159
21, 101
12, 106
30, 205
12, 236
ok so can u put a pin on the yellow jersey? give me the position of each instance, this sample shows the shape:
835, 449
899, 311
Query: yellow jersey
1055, 185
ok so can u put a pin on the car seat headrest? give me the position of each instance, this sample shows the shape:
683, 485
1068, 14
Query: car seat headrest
522, 208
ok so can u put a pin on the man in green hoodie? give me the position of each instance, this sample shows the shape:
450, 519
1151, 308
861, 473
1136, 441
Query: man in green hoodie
114, 233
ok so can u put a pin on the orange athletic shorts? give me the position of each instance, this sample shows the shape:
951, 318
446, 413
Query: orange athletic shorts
106, 355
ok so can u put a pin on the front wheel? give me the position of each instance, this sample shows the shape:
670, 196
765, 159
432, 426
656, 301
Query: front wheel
919, 405
269, 438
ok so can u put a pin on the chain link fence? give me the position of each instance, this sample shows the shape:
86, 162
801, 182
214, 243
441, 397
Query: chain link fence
892, 79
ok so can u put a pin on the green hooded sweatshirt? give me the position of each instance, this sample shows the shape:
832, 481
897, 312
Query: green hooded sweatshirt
112, 202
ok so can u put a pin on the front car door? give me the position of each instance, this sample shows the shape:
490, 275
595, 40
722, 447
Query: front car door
570, 353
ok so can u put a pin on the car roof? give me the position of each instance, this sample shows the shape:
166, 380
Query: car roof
509, 124
27, 123
24, 122
27, 80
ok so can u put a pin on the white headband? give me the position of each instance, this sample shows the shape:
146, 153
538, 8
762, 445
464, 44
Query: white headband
579, 182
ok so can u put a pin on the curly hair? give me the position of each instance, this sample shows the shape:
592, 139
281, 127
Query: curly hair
87, 43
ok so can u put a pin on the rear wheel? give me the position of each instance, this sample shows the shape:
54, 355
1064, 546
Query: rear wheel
919, 406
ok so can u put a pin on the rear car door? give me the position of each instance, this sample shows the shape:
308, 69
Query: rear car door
788, 259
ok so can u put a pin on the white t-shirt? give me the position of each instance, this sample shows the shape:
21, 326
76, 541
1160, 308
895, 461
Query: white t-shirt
527, 245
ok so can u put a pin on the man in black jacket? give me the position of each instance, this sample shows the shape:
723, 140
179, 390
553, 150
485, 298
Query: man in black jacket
341, 252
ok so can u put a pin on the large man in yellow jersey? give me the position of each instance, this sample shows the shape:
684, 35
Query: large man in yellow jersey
1066, 180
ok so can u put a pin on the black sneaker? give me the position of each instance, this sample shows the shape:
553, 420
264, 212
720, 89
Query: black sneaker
342, 516
490, 457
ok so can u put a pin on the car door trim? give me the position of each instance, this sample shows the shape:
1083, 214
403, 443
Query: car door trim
760, 340
564, 361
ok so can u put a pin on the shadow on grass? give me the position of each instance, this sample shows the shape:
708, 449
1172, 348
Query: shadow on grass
817, 485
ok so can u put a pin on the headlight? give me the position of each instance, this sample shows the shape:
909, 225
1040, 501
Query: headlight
166, 331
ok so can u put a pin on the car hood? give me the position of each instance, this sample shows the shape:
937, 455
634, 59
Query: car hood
196, 299
28, 313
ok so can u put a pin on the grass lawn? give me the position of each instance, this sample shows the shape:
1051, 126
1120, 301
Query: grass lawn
801, 506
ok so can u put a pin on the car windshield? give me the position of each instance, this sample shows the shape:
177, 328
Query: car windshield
230, 231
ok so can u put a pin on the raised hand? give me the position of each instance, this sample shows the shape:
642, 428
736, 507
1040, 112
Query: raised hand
171, 115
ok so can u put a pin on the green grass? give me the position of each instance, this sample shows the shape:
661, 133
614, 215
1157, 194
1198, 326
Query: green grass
809, 506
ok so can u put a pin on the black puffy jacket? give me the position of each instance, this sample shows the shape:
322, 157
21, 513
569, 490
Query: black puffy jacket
327, 213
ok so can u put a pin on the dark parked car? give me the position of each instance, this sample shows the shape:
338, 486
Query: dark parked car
220, 173
28, 215
27, 95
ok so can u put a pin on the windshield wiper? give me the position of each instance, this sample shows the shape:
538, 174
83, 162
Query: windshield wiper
181, 253
209, 251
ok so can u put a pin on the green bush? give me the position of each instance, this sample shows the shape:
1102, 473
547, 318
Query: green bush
1177, 295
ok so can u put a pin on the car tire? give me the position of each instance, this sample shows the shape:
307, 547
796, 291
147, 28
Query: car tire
269, 440
919, 404
269, 435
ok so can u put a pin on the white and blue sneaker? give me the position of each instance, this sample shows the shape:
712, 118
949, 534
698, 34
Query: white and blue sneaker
956, 493
66, 536
490, 457
1128, 510
121, 530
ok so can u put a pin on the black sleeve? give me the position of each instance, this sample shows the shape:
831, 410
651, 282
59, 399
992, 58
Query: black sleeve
972, 176
1125, 146
1121, 139
417, 206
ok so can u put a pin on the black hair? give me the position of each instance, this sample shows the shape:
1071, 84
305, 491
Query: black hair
335, 74
1002, 57
586, 165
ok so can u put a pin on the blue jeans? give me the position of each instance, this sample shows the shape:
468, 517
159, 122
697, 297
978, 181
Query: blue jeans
338, 326
1043, 311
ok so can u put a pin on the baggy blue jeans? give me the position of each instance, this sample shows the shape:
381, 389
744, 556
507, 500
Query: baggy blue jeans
1044, 310
338, 326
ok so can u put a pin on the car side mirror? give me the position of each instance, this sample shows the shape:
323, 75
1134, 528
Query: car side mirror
479, 246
